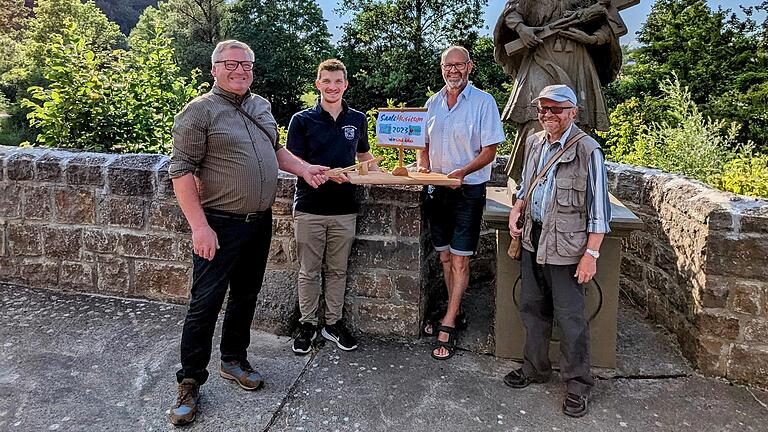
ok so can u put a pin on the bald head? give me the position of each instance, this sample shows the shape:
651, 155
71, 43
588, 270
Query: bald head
455, 51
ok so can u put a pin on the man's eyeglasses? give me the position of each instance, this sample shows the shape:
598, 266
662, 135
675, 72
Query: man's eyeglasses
459, 66
232, 64
552, 109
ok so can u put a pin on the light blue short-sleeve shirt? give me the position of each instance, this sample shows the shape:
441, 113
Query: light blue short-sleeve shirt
456, 136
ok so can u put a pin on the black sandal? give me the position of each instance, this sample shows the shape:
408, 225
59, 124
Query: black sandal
435, 320
449, 345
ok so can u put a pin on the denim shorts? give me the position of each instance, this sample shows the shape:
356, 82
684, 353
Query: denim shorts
454, 217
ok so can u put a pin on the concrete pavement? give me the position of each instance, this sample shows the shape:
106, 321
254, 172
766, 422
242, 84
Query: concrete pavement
73, 362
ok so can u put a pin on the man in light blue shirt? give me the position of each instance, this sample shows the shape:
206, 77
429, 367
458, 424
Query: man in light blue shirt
463, 129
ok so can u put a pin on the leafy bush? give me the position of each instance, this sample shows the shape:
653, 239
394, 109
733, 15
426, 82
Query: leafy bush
747, 174
687, 143
123, 101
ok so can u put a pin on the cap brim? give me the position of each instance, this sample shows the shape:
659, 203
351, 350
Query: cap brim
554, 98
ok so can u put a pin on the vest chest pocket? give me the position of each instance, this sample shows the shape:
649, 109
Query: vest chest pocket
571, 191
564, 186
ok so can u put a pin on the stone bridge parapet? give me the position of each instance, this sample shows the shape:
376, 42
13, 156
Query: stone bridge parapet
699, 268
110, 224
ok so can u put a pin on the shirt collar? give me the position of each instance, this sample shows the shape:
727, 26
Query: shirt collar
464, 93
231, 96
319, 108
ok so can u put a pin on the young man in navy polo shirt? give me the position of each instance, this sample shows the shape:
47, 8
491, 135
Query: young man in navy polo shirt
334, 135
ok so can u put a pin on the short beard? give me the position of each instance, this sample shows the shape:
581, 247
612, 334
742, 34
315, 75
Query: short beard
461, 83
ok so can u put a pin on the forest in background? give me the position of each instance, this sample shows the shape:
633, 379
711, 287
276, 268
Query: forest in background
109, 75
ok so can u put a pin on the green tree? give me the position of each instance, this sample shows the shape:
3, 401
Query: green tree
290, 39
13, 16
393, 46
690, 143
122, 101
97, 31
717, 56
124, 13
194, 26
28, 57
487, 74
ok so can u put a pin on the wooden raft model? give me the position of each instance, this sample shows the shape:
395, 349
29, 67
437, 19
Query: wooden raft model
360, 173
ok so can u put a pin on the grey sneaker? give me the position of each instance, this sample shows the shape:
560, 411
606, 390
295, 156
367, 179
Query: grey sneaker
242, 373
185, 410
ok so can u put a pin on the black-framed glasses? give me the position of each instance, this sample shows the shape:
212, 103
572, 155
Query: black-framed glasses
232, 64
552, 109
461, 66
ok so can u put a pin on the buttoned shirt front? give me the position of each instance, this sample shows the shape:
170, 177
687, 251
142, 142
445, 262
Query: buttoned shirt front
234, 159
316, 137
457, 135
598, 202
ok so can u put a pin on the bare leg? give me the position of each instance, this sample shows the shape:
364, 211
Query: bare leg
459, 271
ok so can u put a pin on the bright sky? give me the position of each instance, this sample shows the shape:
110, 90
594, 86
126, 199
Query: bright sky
633, 17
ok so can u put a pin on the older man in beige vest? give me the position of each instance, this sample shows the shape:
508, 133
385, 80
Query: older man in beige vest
564, 209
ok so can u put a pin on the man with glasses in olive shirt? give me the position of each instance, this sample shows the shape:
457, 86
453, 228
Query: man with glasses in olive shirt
333, 134
224, 170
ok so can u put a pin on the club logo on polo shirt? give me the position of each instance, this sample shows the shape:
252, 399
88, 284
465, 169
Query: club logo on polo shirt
349, 132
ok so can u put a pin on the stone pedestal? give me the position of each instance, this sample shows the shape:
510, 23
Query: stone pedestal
601, 293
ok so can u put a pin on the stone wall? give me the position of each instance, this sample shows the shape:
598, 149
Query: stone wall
700, 268
109, 224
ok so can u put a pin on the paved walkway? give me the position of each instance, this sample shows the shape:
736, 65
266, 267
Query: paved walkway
89, 363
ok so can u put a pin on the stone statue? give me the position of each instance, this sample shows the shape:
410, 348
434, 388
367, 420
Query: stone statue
545, 42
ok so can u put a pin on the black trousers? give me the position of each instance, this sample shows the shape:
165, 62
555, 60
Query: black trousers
551, 292
239, 265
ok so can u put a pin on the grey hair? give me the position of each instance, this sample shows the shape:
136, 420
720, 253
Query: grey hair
228, 44
455, 48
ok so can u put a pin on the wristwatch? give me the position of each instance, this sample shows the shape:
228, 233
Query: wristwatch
595, 254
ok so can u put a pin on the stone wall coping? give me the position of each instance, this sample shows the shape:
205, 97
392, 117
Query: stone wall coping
695, 198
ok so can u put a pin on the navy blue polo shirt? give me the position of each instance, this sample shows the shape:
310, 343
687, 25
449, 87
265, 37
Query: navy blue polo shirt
314, 136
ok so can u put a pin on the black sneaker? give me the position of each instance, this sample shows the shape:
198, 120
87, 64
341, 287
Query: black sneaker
339, 334
303, 342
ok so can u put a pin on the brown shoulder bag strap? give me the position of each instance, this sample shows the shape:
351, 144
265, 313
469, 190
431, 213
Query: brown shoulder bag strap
550, 162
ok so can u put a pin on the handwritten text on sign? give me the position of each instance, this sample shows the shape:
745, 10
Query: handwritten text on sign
402, 127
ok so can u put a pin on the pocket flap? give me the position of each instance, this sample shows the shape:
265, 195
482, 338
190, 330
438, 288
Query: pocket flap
580, 183
574, 222
564, 183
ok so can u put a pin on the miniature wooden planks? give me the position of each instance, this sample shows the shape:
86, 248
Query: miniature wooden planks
385, 178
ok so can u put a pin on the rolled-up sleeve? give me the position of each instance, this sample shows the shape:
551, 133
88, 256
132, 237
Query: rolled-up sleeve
598, 203
190, 140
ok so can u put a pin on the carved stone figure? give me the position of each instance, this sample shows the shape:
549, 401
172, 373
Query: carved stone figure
546, 42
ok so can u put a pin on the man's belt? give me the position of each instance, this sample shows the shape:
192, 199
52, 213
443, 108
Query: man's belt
247, 217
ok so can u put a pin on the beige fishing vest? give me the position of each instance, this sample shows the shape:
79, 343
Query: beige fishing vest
564, 228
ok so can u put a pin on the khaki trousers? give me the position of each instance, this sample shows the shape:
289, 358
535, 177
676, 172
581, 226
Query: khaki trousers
324, 244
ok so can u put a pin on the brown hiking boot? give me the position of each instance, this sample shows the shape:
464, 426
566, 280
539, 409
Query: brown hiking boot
242, 373
186, 405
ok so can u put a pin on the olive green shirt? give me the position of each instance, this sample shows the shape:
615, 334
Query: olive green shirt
234, 159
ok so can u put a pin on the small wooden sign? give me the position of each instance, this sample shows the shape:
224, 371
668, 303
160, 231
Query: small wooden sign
402, 127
